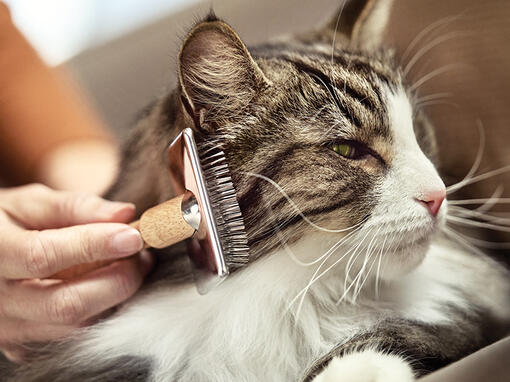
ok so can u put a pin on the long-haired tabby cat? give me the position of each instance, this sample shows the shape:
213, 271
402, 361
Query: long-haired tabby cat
333, 165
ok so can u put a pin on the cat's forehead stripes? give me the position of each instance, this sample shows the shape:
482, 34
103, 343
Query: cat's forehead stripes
381, 64
359, 99
352, 82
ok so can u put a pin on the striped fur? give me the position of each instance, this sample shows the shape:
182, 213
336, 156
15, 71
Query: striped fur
276, 110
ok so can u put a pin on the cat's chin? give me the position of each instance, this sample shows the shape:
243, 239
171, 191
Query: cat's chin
405, 259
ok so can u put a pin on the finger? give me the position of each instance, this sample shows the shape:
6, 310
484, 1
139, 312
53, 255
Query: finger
38, 207
18, 331
34, 254
71, 303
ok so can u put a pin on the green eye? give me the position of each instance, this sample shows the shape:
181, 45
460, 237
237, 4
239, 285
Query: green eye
345, 150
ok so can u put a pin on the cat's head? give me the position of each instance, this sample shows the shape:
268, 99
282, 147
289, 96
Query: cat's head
318, 138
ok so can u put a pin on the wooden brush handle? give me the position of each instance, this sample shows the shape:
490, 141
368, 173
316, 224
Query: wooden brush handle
160, 226
163, 225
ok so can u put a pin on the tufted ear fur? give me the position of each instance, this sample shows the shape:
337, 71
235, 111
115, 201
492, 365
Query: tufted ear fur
361, 21
218, 76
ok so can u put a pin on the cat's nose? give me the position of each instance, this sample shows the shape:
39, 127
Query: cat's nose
432, 200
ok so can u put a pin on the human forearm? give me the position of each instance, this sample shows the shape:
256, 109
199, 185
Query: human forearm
80, 165
41, 113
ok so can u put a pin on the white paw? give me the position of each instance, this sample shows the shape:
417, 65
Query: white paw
366, 366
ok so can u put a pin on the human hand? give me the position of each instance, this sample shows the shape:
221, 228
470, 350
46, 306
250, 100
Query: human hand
43, 232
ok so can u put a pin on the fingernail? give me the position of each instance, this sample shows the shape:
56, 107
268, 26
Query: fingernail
127, 241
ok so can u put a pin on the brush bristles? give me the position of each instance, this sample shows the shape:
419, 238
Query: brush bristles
225, 207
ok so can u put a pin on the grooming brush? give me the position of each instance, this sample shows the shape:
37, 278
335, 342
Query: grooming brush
206, 211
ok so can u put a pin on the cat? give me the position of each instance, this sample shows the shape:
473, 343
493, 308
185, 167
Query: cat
349, 278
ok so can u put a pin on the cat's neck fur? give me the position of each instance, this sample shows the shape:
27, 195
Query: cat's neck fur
249, 317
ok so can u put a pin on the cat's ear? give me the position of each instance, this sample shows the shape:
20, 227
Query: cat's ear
362, 21
218, 76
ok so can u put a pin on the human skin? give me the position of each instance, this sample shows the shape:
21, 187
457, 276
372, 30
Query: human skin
46, 231
85, 165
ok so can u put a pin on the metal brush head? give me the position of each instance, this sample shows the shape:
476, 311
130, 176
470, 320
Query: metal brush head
225, 208
210, 206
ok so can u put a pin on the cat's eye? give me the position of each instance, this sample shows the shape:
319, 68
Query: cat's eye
345, 149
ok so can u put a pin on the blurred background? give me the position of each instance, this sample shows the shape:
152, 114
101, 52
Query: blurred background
122, 52
59, 29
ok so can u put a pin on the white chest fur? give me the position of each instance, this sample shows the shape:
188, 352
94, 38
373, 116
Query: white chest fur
246, 321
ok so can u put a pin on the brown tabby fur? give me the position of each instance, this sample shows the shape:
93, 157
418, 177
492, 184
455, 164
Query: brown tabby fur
276, 110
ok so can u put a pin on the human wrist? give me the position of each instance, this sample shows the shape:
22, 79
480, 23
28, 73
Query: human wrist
87, 165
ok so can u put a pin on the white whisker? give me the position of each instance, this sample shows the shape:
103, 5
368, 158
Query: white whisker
483, 243
347, 289
437, 102
314, 278
350, 263
432, 97
297, 209
377, 275
492, 200
428, 29
325, 258
478, 201
327, 253
357, 290
368, 255
478, 157
432, 74
374, 261
459, 239
337, 24
354, 282
464, 212
468, 222
477, 178
428, 47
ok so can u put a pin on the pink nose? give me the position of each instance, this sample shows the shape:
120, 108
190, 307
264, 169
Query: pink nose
432, 200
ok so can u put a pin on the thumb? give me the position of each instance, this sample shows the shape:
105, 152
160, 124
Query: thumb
39, 207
